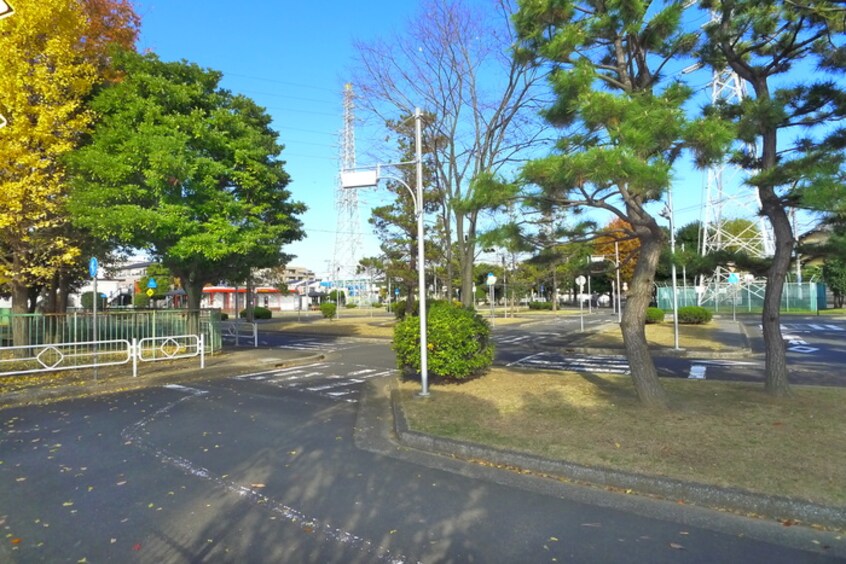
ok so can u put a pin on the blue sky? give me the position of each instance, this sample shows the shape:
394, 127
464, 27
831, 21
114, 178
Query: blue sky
293, 58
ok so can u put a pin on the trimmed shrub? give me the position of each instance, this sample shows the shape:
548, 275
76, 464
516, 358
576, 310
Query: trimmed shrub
87, 300
694, 315
139, 300
328, 309
654, 315
258, 313
540, 305
224, 316
350, 306
459, 342
399, 309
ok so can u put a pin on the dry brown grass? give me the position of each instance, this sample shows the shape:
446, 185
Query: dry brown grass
358, 326
661, 334
726, 434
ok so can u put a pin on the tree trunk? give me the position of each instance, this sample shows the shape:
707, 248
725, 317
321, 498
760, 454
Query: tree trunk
468, 297
62, 293
644, 374
20, 320
194, 294
776, 382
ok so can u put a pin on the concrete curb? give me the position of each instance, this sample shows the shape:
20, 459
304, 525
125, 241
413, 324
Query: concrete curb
691, 493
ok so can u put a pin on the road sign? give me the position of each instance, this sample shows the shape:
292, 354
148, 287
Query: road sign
396, 291
93, 267
5, 9
150, 292
151, 283
580, 280
491, 279
733, 278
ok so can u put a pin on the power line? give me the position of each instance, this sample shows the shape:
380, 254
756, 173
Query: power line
276, 81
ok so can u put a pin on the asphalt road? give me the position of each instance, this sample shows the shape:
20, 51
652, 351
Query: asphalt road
816, 350
256, 469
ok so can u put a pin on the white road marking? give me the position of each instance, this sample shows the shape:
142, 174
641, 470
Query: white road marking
136, 435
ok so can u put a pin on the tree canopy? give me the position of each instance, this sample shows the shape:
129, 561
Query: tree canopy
623, 127
52, 54
185, 170
795, 125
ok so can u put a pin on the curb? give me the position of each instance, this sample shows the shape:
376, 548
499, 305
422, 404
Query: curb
777, 508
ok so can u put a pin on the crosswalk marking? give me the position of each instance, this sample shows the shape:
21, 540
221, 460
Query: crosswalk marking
808, 327
611, 364
324, 379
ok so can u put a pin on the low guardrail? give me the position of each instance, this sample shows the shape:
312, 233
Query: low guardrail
33, 359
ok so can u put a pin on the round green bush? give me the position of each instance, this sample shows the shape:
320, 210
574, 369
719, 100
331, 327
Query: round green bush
350, 306
654, 315
258, 313
399, 309
328, 309
87, 300
540, 305
694, 315
459, 342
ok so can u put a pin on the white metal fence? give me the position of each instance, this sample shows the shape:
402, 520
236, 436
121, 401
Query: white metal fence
242, 332
32, 359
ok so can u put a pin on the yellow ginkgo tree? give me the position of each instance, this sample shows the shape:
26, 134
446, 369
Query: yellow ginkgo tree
47, 72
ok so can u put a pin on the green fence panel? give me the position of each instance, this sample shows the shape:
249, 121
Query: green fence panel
743, 297
80, 326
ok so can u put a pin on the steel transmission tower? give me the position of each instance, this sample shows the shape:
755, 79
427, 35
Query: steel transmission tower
347, 236
726, 191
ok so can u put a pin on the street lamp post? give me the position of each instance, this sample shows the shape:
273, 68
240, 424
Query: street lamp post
370, 178
667, 212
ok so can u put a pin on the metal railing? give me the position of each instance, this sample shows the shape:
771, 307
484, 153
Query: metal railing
241, 332
54, 357
81, 326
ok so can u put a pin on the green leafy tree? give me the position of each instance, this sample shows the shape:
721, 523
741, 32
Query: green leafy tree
796, 124
624, 127
187, 171
834, 275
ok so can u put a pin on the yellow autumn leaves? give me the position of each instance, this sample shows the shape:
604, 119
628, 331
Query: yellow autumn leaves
47, 70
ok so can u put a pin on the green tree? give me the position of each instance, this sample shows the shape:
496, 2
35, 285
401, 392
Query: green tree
796, 125
834, 275
624, 128
187, 171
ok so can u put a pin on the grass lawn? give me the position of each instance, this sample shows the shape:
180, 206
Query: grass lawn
725, 434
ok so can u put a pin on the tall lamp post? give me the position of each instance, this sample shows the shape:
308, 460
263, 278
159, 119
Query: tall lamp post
667, 213
369, 178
